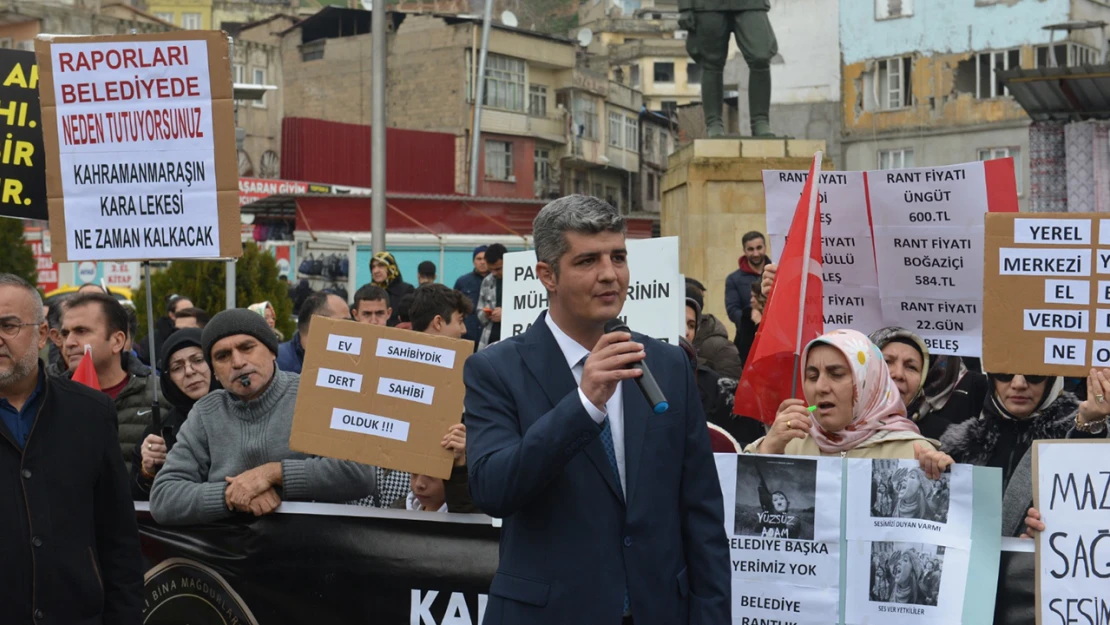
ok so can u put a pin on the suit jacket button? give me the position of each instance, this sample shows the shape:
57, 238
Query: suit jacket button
627, 541
36, 541
38, 614
26, 474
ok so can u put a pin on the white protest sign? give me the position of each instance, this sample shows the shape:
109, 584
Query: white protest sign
1072, 492
928, 226
136, 126
782, 515
656, 291
851, 286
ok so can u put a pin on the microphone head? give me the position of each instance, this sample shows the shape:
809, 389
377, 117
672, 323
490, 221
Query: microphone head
616, 325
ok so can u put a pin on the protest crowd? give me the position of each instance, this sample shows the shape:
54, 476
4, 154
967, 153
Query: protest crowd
229, 384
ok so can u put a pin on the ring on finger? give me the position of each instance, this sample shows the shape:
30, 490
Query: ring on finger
1099, 398
790, 424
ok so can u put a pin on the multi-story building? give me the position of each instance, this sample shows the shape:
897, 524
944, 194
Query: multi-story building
219, 14
257, 61
919, 78
22, 20
187, 14
545, 123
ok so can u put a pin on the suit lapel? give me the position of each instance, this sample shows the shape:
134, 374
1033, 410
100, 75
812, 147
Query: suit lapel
549, 367
636, 413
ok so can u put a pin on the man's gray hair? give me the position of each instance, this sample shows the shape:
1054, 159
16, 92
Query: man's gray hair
574, 213
10, 279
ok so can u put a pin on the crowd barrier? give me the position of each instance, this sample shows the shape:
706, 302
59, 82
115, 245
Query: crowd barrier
350, 565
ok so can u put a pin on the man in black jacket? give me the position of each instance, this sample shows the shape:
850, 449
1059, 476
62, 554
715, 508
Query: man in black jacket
69, 542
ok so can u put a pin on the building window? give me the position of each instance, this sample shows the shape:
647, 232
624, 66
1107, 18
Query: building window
664, 145
693, 74
504, 83
616, 129
890, 9
537, 100
612, 195
543, 165
895, 159
1068, 54
585, 117
579, 186
889, 86
315, 51
669, 107
239, 76
635, 76
165, 16
499, 160
258, 77
987, 65
663, 72
631, 134
599, 191
987, 154
651, 186
190, 21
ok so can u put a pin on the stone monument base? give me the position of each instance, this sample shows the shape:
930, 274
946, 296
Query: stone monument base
712, 194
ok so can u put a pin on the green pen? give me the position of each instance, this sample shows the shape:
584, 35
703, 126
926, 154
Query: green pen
811, 408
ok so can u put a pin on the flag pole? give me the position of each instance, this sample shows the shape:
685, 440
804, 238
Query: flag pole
813, 191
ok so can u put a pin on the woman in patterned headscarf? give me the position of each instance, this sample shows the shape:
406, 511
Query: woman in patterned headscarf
857, 410
385, 273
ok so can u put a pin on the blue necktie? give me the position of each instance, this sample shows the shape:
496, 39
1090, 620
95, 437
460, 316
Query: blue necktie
611, 454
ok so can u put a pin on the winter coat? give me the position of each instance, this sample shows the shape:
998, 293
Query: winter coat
718, 394
397, 289
883, 444
964, 402
738, 288
975, 442
70, 547
470, 285
715, 350
487, 298
290, 356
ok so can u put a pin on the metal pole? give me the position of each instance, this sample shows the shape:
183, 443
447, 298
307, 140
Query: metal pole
377, 128
155, 415
480, 93
229, 280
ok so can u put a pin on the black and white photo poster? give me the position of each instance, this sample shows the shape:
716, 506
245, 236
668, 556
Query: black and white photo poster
1072, 491
782, 514
896, 583
893, 500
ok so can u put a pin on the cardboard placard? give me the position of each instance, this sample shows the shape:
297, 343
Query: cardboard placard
1070, 482
140, 136
22, 160
1046, 292
380, 396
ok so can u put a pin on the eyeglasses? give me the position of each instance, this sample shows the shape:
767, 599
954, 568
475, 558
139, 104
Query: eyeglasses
1031, 379
196, 362
10, 329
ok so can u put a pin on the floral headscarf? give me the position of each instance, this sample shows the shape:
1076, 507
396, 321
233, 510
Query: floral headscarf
877, 404
393, 272
260, 308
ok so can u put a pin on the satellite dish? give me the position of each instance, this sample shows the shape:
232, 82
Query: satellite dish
508, 19
368, 5
246, 218
585, 36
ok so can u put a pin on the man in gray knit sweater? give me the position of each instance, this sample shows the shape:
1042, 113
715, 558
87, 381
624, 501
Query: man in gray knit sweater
232, 453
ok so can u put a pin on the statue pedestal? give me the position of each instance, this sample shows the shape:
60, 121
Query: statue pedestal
713, 194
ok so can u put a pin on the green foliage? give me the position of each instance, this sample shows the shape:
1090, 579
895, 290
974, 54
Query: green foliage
202, 281
15, 255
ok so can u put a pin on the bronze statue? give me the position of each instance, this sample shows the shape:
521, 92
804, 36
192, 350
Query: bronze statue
710, 24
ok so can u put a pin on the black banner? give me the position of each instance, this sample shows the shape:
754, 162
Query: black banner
22, 160
397, 568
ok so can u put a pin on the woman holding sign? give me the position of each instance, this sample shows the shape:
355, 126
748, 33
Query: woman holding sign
855, 410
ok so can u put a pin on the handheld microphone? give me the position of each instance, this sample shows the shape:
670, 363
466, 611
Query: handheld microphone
245, 380
648, 386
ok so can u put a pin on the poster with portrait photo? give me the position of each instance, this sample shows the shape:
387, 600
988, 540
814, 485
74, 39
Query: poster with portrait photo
899, 583
893, 500
783, 518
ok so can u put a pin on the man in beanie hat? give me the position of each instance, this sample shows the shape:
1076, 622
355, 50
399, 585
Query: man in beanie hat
710, 337
470, 285
232, 453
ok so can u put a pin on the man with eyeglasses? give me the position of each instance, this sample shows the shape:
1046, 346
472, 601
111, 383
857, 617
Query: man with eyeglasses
68, 537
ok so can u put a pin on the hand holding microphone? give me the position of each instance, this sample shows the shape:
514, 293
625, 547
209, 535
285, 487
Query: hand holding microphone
616, 357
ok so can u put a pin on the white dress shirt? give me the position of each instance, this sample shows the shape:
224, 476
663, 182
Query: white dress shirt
614, 408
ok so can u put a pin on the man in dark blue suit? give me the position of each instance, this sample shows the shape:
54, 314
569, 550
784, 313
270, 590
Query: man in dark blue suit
612, 514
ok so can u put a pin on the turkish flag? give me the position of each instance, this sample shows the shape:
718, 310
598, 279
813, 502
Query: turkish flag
769, 370
86, 372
